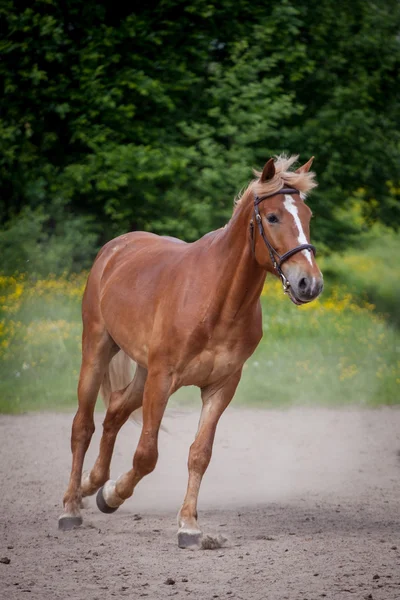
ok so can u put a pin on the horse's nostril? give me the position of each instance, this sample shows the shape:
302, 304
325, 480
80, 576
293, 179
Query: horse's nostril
303, 284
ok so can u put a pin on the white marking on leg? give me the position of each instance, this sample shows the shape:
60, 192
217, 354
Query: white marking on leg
292, 209
85, 481
110, 495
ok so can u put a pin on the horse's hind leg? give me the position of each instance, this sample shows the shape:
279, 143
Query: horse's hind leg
122, 404
97, 350
156, 393
215, 400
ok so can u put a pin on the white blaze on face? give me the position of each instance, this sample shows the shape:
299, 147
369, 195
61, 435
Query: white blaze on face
291, 207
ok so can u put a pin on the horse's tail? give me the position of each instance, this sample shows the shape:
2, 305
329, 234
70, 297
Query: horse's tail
119, 374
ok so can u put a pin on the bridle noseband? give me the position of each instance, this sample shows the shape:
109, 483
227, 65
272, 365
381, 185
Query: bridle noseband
276, 259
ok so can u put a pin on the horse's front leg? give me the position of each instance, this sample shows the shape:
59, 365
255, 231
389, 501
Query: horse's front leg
156, 393
215, 400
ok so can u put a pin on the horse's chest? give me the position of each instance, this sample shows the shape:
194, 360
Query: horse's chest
227, 360
217, 361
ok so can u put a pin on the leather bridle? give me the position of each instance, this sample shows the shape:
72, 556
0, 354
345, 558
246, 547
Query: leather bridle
276, 259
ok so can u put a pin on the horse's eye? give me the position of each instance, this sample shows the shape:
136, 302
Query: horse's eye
272, 219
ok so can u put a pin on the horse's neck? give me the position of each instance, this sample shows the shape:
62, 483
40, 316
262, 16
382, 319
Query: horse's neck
241, 279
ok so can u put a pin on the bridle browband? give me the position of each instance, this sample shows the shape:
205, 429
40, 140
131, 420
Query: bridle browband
276, 259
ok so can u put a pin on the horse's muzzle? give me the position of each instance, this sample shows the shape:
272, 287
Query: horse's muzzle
305, 288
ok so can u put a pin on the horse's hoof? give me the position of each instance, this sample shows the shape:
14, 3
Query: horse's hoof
66, 523
189, 539
102, 505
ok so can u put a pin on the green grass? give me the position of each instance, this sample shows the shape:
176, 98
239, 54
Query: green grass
339, 350
371, 271
40, 334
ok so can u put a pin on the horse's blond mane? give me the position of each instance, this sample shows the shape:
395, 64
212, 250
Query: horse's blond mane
304, 182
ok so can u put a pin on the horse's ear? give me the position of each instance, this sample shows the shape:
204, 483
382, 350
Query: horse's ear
306, 167
268, 171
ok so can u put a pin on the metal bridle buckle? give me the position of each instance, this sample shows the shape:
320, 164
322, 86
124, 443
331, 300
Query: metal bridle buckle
285, 283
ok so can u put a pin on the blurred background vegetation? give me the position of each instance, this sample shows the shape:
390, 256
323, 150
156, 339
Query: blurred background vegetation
151, 116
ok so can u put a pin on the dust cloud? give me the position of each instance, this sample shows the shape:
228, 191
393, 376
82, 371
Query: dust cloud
259, 457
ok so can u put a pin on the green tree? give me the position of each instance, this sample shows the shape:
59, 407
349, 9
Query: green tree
153, 117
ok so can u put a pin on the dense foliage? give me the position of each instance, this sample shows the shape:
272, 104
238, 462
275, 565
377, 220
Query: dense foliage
151, 116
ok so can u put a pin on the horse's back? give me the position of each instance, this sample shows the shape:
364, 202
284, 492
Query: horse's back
128, 243
117, 258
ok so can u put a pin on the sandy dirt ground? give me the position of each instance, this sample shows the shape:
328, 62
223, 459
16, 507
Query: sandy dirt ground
307, 499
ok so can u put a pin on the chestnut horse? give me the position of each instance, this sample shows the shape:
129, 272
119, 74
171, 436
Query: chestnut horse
186, 314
